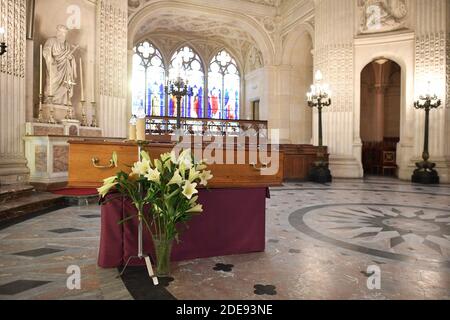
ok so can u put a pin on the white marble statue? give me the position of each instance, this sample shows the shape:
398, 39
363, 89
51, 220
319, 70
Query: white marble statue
61, 67
382, 15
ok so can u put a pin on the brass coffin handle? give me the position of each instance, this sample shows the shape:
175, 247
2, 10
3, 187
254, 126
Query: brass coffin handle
112, 162
264, 166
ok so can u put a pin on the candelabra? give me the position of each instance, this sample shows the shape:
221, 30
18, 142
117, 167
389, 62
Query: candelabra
320, 97
84, 121
425, 172
40, 115
94, 123
3, 45
51, 117
178, 89
69, 84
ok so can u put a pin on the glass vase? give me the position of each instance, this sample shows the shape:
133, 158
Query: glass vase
163, 251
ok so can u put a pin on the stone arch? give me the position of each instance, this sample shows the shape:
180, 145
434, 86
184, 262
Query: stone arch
156, 45
247, 24
240, 65
401, 51
191, 45
290, 41
298, 61
404, 69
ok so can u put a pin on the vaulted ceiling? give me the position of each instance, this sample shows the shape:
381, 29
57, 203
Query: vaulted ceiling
202, 25
136, 4
194, 29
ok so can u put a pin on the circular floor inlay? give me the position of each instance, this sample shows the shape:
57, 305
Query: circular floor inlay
400, 232
414, 226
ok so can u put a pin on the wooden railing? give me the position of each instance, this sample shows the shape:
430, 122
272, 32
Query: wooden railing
159, 126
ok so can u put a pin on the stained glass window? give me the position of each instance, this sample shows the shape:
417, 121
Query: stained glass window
224, 83
221, 101
187, 64
148, 80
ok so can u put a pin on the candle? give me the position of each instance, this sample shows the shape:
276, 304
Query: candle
140, 129
132, 132
40, 70
132, 128
81, 80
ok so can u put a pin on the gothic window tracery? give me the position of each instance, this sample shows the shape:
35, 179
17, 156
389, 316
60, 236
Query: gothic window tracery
224, 87
188, 65
150, 76
148, 80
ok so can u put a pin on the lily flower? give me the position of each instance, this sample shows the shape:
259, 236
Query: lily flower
173, 157
189, 189
141, 167
110, 180
153, 175
176, 179
193, 200
193, 174
204, 177
196, 209
103, 191
145, 155
158, 165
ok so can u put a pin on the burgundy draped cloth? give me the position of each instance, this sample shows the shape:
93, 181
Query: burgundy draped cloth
233, 222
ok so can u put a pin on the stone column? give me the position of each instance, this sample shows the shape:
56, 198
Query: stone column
112, 22
13, 167
381, 71
334, 56
378, 112
29, 81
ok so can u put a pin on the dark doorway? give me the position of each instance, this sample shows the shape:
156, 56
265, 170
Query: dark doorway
255, 110
380, 116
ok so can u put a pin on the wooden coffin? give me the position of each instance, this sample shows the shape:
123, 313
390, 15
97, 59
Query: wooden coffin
89, 164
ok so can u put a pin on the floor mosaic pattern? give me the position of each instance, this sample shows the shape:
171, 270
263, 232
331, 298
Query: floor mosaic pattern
321, 242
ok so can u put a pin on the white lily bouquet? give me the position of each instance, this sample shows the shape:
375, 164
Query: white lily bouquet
164, 193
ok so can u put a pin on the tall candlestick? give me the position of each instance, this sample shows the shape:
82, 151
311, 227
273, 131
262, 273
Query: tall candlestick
50, 85
81, 80
40, 69
93, 86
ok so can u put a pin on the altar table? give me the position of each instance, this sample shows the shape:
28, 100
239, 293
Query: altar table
233, 222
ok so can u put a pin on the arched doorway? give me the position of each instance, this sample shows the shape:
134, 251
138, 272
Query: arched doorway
380, 117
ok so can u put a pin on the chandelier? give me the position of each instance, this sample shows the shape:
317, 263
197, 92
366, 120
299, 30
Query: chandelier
320, 94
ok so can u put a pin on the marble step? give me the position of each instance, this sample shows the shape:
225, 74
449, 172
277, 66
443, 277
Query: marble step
36, 203
14, 191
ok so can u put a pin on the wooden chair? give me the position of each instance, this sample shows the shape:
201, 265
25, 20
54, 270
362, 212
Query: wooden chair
389, 161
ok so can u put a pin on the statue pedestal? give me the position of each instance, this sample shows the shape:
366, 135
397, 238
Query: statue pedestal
425, 173
320, 173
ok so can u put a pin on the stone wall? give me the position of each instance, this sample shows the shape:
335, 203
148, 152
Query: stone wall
334, 56
12, 93
79, 17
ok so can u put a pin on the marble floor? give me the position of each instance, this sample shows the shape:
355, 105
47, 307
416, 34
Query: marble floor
323, 242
